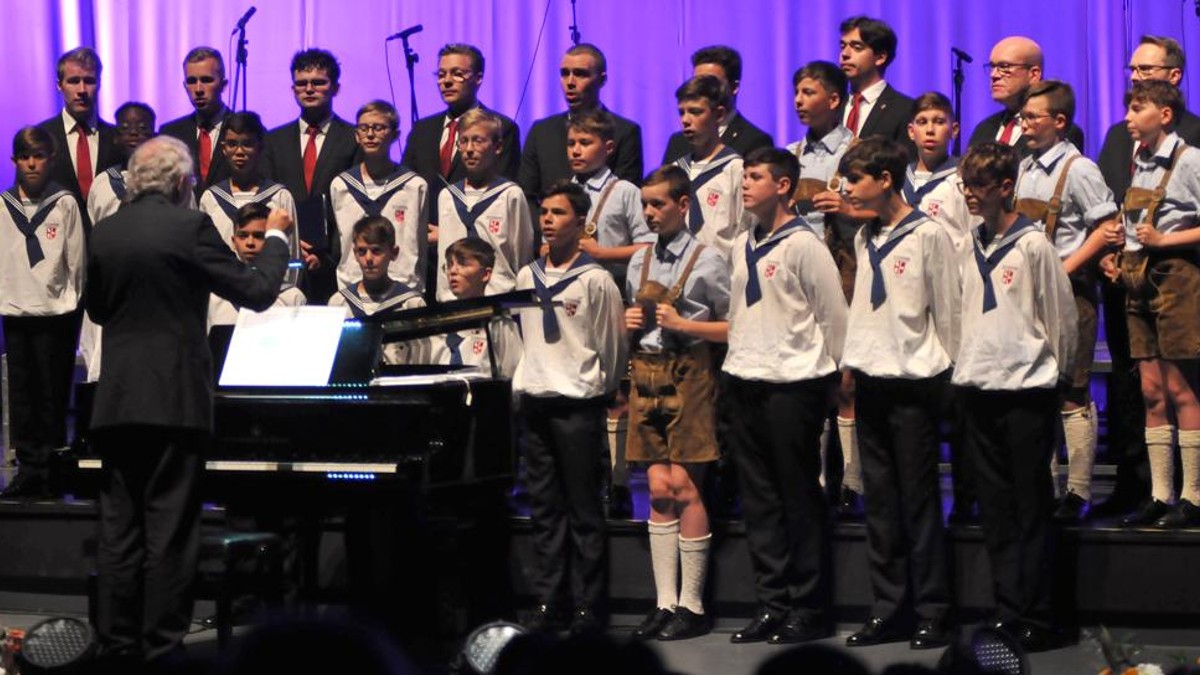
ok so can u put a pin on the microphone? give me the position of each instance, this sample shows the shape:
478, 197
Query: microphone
967, 57
241, 24
405, 33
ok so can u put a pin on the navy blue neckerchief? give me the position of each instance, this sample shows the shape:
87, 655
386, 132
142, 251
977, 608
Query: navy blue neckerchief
396, 296
468, 215
116, 178
755, 253
914, 195
715, 166
545, 291
28, 226
876, 255
396, 180
1021, 227
223, 195
454, 341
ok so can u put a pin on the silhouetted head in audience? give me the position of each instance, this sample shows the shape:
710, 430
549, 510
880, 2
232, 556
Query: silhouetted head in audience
319, 647
812, 659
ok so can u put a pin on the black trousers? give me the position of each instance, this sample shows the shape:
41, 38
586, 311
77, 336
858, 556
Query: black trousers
149, 537
774, 437
1010, 437
41, 359
560, 438
906, 543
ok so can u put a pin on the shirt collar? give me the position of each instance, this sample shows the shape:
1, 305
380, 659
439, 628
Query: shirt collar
1049, 158
70, 122
873, 92
674, 249
323, 126
597, 182
217, 120
728, 120
830, 141
448, 118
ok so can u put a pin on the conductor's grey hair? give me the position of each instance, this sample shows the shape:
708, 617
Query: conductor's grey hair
157, 166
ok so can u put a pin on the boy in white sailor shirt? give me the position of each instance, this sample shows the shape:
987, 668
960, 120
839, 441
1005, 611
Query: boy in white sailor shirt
135, 125
249, 234
787, 323
41, 279
1017, 349
900, 342
242, 137
375, 248
484, 205
469, 264
931, 183
380, 187
616, 228
717, 216
1065, 194
574, 357
820, 88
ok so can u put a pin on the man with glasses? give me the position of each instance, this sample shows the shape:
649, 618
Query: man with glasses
1156, 58
431, 148
204, 80
1015, 64
305, 155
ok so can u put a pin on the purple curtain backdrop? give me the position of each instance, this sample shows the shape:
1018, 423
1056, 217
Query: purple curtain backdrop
142, 43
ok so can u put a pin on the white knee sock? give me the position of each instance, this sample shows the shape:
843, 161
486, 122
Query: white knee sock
1079, 429
852, 475
1162, 463
1189, 457
664, 559
617, 427
693, 565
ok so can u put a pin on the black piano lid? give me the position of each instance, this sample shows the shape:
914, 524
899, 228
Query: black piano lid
447, 317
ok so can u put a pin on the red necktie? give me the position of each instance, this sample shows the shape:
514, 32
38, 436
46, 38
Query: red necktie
83, 161
852, 118
310, 157
205, 150
1006, 135
446, 155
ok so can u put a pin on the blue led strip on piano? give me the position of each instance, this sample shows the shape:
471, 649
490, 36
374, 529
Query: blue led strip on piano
349, 476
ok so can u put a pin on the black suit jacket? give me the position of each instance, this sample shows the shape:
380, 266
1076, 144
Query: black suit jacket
150, 271
990, 126
1117, 152
185, 130
63, 171
422, 153
889, 117
741, 135
544, 159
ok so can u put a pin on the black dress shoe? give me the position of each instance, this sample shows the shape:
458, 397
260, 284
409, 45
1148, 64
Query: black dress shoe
1149, 512
850, 506
1071, 509
930, 634
762, 627
875, 631
620, 503
685, 624
653, 623
26, 486
1183, 514
800, 628
585, 622
545, 619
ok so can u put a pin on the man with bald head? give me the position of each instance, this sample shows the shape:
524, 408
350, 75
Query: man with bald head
1015, 64
1156, 58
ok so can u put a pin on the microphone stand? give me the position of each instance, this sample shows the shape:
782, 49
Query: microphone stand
239, 73
575, 25
957, 72
410, 61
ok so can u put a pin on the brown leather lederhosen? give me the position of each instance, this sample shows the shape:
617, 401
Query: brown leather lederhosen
589, 229
1133, 263
672, 400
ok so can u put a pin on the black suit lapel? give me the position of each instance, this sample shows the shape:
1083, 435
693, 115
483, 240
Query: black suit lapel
878, 112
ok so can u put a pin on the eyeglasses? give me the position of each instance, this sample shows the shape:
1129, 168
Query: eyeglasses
315, 83
1145, 69
455, 74
1005, 68
377, 129
1032, 117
